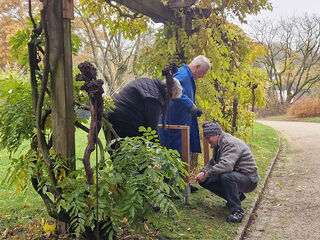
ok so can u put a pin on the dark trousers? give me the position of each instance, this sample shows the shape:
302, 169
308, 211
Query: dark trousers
229, 186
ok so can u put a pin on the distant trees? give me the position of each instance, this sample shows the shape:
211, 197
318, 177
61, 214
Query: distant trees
111, 49
12, 18
292, 59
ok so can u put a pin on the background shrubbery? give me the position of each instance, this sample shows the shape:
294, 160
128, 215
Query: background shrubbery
306, 107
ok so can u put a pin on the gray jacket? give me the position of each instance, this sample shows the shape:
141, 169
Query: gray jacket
232, 154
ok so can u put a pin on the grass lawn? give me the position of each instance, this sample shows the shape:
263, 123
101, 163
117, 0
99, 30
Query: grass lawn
19, 212
24, 213
292, 118
203, 219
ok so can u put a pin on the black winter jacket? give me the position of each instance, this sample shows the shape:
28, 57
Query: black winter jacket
139, 103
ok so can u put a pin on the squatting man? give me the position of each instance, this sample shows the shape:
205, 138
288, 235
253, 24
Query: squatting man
231, 172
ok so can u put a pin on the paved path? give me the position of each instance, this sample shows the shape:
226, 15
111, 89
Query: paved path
290, 205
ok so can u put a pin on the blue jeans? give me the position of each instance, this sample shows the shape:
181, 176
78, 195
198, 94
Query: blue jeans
229, 186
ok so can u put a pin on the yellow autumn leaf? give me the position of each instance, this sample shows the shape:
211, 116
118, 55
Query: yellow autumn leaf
145, 226
49, 228
278, 183
5, 233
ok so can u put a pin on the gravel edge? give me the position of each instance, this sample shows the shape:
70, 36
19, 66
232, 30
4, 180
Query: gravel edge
246, 219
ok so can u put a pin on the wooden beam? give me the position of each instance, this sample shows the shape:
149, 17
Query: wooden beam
206, 147
67, 9
185, 150
206, 150
60, 59
179, 127
153, 9
185, 145
180, 3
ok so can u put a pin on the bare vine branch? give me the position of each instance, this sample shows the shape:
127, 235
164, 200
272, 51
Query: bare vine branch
40, 136
122, 14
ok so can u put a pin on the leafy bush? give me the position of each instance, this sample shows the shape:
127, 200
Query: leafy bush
306, 107
129, 186
16, 118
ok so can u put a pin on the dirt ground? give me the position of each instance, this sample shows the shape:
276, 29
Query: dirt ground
290, 205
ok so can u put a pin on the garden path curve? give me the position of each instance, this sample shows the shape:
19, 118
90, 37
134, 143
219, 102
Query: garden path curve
290, 205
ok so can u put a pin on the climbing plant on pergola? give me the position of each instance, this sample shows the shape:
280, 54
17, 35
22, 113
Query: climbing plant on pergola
57, 70
56, 19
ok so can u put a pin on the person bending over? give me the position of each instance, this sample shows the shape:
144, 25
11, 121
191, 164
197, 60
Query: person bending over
141, 102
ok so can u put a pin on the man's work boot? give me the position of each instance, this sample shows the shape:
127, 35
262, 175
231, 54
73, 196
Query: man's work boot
242, 196
235, 217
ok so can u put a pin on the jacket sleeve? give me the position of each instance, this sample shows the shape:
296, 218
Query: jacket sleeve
228, 158
209, 166
185, 100
152, 110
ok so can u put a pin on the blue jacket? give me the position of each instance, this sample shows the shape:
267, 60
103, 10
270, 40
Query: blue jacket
178, 114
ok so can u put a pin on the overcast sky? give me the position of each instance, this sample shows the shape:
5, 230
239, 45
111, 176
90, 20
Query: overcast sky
289, 8
286, 9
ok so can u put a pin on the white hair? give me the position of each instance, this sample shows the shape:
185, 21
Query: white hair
202, 61
176, 89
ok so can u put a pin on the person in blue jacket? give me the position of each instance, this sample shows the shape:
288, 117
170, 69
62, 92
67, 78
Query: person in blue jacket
183, 111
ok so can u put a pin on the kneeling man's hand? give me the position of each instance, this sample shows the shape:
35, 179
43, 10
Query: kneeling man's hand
201, 177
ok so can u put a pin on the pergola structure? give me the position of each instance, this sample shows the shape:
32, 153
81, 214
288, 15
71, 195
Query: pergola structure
161, 13
58, 14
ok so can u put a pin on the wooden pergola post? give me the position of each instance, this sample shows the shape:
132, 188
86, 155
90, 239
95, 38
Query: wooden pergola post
59, 13
206, 151
60, 59
185, 154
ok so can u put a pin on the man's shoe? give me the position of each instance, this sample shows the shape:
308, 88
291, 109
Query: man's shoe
242, 196
193, 188
236, 217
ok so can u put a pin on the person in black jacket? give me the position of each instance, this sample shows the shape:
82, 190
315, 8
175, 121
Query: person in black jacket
141, 102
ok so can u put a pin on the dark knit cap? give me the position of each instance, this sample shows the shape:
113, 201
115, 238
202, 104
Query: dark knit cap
211, 129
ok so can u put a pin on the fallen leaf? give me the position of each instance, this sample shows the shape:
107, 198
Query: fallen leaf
145, 226
5, 233
49, 228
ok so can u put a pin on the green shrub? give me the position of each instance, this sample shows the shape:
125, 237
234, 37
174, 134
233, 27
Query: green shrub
16, 119
129, 186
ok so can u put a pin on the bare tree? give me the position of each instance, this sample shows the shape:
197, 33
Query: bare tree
112, 54
292, 59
